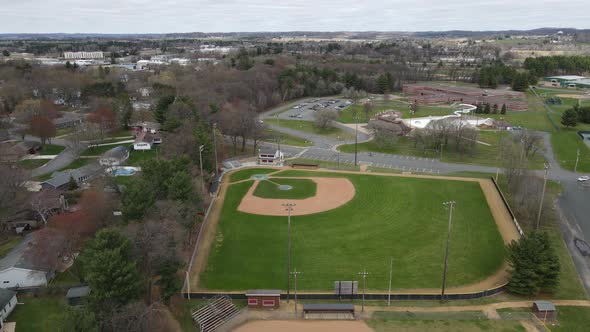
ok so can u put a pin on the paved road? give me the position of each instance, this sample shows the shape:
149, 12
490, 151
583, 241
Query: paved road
573, 203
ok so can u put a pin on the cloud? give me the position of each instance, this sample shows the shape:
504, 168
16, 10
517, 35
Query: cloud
144, 16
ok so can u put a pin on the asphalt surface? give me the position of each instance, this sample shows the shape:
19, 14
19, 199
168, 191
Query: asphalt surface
573, 203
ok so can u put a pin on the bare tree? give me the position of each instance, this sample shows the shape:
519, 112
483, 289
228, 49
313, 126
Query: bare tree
531, 142
367, 109
385, 133
138, 317
13, 193
325, 117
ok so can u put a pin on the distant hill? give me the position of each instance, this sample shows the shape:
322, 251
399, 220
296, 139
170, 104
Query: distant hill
310, 34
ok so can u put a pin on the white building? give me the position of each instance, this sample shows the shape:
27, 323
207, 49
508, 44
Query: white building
83, 55
268, 156
30, 265
8, 301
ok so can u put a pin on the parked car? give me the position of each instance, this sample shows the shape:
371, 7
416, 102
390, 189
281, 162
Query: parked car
584, 178
299, 116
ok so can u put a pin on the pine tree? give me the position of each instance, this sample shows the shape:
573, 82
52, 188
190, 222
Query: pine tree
487, 109
569, 118
110, 273
503, 110
72, 184
534, 265
495, 109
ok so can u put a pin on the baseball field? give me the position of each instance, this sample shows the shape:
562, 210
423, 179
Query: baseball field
369, 220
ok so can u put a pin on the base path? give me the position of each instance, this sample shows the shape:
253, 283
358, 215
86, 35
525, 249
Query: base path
330, 194
307, 326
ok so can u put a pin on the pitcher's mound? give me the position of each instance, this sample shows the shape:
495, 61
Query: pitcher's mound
331, 193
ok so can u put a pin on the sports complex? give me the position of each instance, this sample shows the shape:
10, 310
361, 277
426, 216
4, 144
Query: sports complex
343, 223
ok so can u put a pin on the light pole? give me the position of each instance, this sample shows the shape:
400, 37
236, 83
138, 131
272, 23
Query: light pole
577, 159
215, 148
295, 273
542, 196
451, 205
364, 274
289, 208
390, 275
201, 148
356, 135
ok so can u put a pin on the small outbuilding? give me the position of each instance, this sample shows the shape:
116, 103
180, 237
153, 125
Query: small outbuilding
78, 295
545, 310
263, 298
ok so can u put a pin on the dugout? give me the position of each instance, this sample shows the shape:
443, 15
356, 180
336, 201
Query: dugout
328, 308
263, 298
545, 310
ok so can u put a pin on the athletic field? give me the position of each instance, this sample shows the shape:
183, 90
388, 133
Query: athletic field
389, 217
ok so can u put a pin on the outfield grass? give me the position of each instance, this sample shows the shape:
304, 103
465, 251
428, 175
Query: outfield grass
402, 218
302, 188
245, 174
41, 313
309, 127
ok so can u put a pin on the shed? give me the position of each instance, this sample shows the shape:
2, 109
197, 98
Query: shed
77, 295
545, 310
263, 298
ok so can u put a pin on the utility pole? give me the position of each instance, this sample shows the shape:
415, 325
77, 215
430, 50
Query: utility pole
188, 285
577, 159
542, 196
215, 148
364, 274
201, 148
451, 205
356, 136
289, 208
295, 274
390, 275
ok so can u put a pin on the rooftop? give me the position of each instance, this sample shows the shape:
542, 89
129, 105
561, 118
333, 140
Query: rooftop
5, 296
544, 305
566, 77
263, 292
78, 292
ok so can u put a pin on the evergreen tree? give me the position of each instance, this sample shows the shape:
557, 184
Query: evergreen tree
137, 197
487, 109
5, 53
503, 110
534, 265
569, 118
110, 273
495, 109
72, 184
180, 186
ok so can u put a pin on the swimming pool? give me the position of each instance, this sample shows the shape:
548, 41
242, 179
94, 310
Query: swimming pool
124, 171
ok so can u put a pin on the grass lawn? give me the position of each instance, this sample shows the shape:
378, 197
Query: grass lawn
50, 149
271, 137
565, 145
387, 325
77, 163
309, 127
301, 188
33, 163
7, 244
572, 319
483, 155
247, 173
136, 157
41, 313
98, 150
394, 217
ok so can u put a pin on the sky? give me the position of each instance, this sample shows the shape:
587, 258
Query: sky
165, 16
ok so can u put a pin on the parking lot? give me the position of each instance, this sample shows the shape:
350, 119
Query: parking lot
305, 109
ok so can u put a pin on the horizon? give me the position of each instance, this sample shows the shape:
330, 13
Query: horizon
137, 17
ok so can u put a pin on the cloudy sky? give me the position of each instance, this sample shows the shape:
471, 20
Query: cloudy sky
157, 16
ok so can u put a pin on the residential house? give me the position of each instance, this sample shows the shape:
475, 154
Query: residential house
34, 261
145, 141
151, 127
114, 157
60, 179
267, 156
8, 301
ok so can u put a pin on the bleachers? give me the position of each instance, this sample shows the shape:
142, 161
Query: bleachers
214, 313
